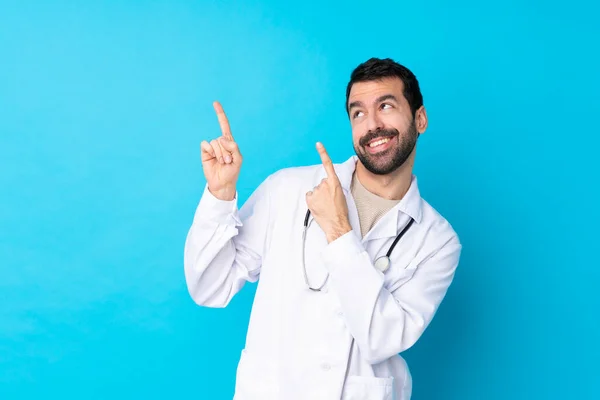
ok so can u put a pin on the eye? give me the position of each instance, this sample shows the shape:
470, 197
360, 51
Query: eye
356, 114
386, 105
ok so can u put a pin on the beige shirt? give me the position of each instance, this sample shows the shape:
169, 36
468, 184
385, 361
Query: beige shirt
370, 206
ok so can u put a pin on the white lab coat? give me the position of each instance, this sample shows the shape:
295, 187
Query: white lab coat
343, 342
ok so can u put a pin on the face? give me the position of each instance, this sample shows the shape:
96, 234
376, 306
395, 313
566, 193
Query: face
384, 132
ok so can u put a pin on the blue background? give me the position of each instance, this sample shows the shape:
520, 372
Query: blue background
103, 106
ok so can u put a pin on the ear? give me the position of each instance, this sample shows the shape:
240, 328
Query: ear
421, 119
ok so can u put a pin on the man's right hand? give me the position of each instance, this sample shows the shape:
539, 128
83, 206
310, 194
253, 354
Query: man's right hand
221, 160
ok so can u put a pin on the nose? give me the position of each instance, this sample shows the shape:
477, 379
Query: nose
374, 122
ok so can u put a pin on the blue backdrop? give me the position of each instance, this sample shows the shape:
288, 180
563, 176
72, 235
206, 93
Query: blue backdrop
103, 106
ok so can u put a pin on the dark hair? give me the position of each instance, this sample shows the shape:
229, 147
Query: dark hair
377, 68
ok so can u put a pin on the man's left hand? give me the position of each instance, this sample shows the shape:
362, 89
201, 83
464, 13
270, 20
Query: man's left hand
327, 202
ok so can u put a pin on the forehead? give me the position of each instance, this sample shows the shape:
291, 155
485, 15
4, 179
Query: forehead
367, 92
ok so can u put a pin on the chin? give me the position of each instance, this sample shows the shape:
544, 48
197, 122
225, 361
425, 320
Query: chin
379, 165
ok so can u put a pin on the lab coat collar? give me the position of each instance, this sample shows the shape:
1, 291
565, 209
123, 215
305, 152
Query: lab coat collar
410, 205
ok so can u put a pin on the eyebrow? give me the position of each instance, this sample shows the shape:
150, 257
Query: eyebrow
379, 100
386, 97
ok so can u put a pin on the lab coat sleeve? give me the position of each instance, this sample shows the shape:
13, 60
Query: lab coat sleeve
224, 246
385, 322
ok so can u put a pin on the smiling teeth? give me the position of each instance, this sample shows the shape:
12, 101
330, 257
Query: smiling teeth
379, 142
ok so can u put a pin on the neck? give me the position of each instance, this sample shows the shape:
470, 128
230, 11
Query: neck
392, 186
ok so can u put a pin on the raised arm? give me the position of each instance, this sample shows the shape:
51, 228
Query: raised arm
224, 245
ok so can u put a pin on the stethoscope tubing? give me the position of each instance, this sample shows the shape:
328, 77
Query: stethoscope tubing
387, 256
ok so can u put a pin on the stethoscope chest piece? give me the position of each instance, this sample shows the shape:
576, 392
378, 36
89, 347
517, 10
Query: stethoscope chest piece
382, 263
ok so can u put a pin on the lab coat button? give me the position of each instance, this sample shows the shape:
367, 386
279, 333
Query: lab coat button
326, 367
340, 314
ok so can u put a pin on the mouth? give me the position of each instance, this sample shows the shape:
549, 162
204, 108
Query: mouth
380, 144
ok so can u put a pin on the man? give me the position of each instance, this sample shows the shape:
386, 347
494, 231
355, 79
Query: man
330, 316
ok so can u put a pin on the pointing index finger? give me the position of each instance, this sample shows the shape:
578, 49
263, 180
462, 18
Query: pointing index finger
223, 122
326, 160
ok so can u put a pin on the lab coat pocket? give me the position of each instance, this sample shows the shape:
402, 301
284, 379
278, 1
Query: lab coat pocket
368, 388
396, 278
253, 381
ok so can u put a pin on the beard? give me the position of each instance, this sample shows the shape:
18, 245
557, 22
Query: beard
390, 159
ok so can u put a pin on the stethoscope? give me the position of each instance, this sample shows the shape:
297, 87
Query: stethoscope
381, 263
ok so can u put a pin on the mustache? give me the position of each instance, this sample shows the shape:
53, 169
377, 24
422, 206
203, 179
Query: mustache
378, 134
